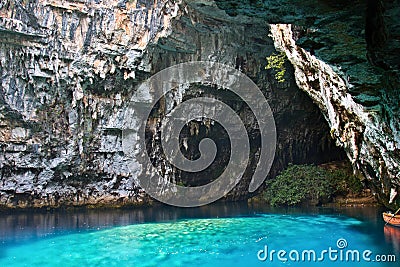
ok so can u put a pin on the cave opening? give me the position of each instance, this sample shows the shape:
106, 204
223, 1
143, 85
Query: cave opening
303, 137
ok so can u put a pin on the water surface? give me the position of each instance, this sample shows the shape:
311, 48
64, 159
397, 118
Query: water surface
216, 235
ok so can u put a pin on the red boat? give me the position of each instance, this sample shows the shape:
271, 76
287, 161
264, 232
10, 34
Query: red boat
391, 219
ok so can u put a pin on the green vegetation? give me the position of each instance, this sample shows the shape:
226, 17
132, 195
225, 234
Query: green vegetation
344, 182
309, 184
277, 62
180, 183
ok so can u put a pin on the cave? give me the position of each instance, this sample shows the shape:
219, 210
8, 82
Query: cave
65, 88
199, 132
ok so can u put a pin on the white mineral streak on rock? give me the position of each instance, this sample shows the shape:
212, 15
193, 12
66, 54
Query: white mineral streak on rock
56, 50
357, 129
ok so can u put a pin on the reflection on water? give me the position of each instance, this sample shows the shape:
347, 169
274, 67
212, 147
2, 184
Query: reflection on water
28, 227
392, 236
21, 226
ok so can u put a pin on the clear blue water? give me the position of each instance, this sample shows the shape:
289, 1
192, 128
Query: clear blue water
211, 236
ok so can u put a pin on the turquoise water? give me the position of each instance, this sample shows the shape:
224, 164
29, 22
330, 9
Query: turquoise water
183, 241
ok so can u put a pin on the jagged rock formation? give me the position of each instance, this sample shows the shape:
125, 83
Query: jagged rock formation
346, 58
66, 68
69, 68
353, 75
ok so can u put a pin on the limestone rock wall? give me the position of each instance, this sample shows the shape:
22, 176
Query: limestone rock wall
355, 84
370, 139
66, 69
69, 68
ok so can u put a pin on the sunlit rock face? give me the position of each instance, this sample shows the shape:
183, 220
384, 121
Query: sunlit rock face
363, 117
69, 69
346, 58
